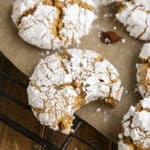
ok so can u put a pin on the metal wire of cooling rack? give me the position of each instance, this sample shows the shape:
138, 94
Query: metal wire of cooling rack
47, 145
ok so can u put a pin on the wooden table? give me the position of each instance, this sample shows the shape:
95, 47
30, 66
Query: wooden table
10, 139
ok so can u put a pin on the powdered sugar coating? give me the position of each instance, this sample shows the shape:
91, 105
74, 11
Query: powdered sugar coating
124, 146
19, 7
145, 52
136, 127
67, 80
77, 23
50, 25
143, 71
36, 29
134, 15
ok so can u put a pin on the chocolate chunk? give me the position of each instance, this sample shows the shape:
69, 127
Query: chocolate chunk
110, 37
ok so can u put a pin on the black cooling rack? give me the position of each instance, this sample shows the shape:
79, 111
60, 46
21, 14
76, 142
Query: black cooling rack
47, 145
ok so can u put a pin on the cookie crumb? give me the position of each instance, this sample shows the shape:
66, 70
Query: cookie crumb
126, 91
105, 120
42, 54
110, 15
123, 40
115, 28
47, 52
99, 45
98, 110
105, 15
135, 90
36, 146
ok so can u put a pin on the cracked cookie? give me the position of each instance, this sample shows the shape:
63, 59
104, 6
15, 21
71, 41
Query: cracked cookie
52, 24
67, 80
136, 127
143, 71
135, 16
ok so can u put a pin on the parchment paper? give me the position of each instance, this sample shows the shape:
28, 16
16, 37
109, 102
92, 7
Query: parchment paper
123, 56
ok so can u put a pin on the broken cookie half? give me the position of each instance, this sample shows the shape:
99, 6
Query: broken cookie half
136, 127
143, 71
67, 80
135, 16
52, 24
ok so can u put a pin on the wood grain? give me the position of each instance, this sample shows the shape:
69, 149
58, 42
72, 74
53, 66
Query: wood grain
9, 138
12, 140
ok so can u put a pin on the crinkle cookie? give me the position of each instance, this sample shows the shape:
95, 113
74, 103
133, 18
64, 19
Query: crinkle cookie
51, 24
135, 16
136, 127
143, 71
65, 81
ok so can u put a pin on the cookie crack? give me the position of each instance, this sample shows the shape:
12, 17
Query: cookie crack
130, 14
58, 24
110, 99
26, 13
146, 22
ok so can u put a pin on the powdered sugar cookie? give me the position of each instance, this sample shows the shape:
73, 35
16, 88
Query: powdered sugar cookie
134, 15
51, 24
143, 71
65, 81
136, 127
